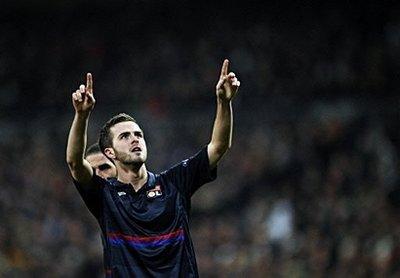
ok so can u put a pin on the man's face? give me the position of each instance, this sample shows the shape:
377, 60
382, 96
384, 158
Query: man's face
102, 165
129, 146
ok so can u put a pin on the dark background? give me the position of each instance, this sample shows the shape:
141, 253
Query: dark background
311, 184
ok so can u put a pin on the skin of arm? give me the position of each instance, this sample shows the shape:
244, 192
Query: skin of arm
221, 138
83, 102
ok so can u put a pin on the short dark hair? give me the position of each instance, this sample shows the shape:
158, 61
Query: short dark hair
105, 140
93, 149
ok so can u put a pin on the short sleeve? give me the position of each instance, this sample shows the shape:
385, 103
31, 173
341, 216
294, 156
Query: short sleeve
92, 194
191, 173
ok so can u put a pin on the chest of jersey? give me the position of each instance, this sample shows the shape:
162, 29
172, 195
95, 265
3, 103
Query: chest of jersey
154, 208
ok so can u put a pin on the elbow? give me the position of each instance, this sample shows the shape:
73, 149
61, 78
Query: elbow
69, 160
72, 163
73, 160
221, 149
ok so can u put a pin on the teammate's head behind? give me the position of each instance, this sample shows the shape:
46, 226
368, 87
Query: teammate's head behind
122, 140
99, 162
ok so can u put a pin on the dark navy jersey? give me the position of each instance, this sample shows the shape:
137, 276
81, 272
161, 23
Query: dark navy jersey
146, 233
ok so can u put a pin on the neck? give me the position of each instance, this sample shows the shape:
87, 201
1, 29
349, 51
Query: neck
131, 174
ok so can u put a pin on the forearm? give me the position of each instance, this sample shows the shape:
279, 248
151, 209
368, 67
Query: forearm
76, 147
77, 139
221, 138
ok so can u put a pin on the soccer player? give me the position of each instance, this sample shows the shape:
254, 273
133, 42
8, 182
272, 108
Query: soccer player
144, 217
102, 166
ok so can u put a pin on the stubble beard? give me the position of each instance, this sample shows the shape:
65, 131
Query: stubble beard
131, 159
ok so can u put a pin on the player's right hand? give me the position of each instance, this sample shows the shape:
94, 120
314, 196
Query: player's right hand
83, 99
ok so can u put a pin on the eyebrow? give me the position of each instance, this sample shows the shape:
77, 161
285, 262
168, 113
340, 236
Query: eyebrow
123, 133
104, 166
127, 132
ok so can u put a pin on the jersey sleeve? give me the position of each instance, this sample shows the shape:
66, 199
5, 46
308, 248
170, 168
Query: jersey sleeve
191, 173
92, 194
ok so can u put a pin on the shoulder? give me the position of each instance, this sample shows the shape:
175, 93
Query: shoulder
199, 156
95, 183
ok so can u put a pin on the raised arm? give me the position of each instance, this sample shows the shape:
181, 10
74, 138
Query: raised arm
83, 102
221, 138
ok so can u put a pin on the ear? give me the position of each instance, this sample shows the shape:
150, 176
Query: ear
109, 152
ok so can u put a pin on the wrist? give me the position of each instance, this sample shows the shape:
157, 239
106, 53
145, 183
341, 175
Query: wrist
82, 115
223, 101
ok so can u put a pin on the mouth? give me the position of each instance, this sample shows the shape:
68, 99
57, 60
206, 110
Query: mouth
136, 149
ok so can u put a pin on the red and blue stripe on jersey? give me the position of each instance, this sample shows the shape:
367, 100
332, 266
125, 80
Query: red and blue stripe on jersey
137, 242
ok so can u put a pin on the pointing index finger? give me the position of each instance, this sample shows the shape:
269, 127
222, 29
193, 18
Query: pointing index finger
89, 83
224, 69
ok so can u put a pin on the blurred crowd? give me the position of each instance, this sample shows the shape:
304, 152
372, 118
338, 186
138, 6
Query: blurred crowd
310, 187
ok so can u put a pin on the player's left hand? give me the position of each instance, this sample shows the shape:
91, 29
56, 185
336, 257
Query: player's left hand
228, 84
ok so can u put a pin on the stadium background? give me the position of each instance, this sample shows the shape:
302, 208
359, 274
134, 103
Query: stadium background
310, 187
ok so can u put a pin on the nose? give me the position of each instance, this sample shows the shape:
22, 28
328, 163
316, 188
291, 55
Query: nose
135, 139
